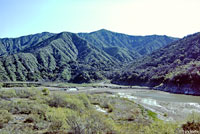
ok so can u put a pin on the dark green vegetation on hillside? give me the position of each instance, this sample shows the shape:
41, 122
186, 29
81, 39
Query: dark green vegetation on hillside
89, 57
40, 111
14, 45
71, 58
174, 68
126, 48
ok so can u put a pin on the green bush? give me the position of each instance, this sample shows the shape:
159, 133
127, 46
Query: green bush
160, 127
24, 85
193, 117
107, 106
67, 101
84, 99
5, 117
5, 105
28, 93
1, 85
165, 115
153, 115
24, 107
73, 113
20, 107
5, 132
7, 93
57, 117
45, 91
90, 122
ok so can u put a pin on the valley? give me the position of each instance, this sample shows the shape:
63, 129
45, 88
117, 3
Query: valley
166, 105
99, 82
157, 61
71, 57
99, 67
55, 107
173, 68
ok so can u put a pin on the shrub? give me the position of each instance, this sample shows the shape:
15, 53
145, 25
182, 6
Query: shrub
6, 105
1, 85
20, 107
7, 94
191, 126
193, 117
24, 107
57, 118
165, 115
107, 106
45, 91
28, 93
39, 109
5, 132
84, 99
24, 85
192, 122
160, 127
91, 122
67, 101
5, 117
29, 120
153, 115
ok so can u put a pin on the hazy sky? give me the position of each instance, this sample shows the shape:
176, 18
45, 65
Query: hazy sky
135, 17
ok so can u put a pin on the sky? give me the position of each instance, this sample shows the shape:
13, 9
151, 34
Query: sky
176, 18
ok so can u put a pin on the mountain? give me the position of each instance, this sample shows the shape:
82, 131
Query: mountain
126, 48
83, 57
61, 57
174, 68
14, 45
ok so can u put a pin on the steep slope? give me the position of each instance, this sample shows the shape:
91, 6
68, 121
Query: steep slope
69, 57
14, 45
63, 56
174, 68
124, 47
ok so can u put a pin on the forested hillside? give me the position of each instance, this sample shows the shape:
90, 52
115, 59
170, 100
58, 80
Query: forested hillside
174, 68
124, 47
61, 57
83, 57
14, 45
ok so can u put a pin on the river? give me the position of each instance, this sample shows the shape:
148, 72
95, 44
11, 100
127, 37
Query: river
168, 106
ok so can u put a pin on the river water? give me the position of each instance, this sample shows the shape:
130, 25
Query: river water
168, 106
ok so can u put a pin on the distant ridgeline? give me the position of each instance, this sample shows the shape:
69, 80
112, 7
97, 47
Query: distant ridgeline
82, 57
174, 68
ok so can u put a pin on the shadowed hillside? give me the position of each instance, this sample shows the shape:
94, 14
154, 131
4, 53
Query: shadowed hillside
174, 68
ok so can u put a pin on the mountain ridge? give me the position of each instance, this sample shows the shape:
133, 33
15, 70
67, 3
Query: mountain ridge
69, 56
134, 46
173, 68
